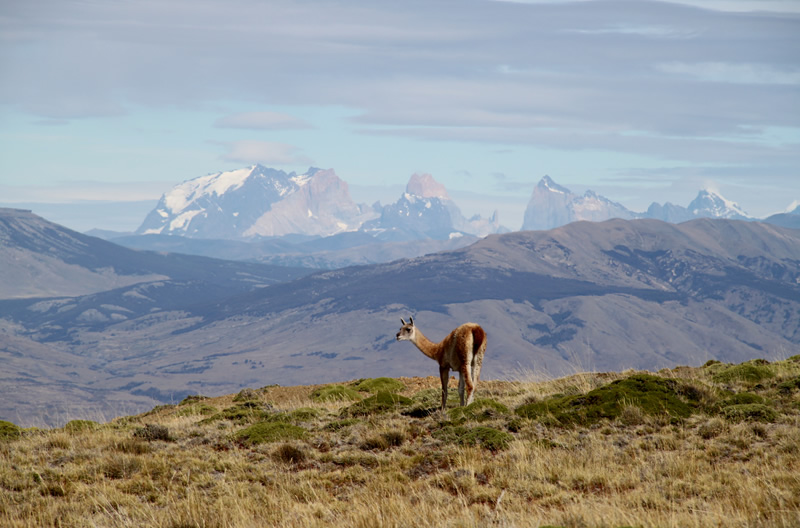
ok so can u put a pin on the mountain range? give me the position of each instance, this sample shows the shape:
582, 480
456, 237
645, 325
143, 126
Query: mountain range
607, 295
552, 205
310, 220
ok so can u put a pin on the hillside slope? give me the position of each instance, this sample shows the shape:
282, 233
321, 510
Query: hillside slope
709, 446
43, 259
587, 296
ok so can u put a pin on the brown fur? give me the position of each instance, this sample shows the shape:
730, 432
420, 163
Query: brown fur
462, 350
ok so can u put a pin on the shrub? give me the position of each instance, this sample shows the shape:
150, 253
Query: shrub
290, 454
201, 409
246, 395
376, 385
264, 432
341, 424
334, 393
750, 412
742, 398
9, 431
303, 414
750, 372
245, 412
121, 466
152, 432
652, 394
479, 410
486, 437
78, 426
375, 443
193, 398
379, 403
711, 428
429, 401
789, 386
384, 441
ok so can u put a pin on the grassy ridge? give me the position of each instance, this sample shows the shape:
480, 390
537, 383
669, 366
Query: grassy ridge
717, 445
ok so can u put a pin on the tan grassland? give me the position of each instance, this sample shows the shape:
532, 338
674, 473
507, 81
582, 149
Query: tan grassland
336, 462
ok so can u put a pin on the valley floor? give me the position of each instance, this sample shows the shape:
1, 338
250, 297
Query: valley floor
691, 447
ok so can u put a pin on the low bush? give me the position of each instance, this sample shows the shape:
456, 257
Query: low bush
193, 398
264, 432
480, 410
289, 454
241, 413
246, 395
376, 385
748, 373
9, 431
486, 437
78, 426
335, 393
652, 394
750, 412
379, 403
152, 432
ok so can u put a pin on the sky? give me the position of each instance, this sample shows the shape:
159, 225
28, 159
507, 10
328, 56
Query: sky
104, 106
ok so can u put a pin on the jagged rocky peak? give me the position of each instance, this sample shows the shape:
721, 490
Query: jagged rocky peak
425, 186
547, 184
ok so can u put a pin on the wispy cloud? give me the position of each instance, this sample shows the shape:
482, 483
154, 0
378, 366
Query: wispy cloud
680, 82
266, 152
721, 72
262, 121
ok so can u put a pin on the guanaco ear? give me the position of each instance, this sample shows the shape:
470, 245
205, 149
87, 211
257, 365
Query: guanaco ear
411, 321
402, 321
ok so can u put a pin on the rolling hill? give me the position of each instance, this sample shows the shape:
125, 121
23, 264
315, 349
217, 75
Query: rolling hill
587, 296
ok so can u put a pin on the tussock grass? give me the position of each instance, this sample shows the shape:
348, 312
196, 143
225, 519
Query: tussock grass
708, 446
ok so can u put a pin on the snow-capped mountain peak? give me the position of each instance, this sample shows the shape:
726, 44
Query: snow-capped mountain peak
255, 201
180, 196
710, 203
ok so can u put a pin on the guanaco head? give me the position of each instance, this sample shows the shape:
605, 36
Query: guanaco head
407, 331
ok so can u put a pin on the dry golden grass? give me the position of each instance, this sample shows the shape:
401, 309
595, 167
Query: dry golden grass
201, 468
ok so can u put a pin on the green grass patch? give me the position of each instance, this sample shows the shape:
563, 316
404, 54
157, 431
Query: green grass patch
427, 402
748, 373
486, 437
241, 413
750, 412
340, 425
265, 432
193, 398
652, 394
78, 426
335, 393
376, 385
479, 410
789, 386
247, 395
196, 409
9, 431
742, 398
303, 414
379, 403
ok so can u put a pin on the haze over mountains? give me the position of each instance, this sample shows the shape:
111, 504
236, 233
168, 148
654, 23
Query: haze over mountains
268, 215
586, 296
552, 205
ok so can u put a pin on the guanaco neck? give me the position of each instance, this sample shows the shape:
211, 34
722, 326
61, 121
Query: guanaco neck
426, 346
